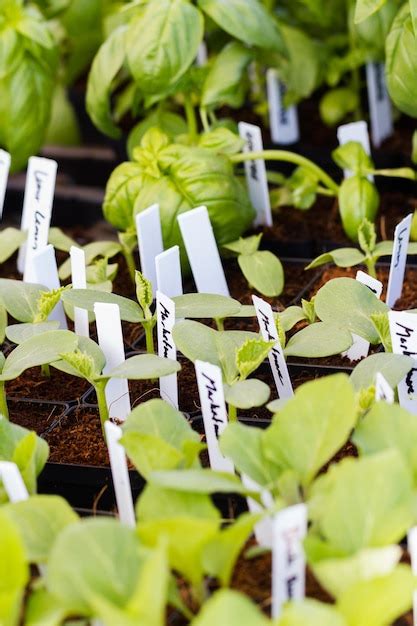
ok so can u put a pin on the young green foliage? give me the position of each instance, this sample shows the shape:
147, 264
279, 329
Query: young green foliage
14, 573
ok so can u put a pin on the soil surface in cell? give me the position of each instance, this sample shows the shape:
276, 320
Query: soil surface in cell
35, 416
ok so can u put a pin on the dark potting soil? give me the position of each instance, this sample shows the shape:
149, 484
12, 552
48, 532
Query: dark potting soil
60, 386
35, 416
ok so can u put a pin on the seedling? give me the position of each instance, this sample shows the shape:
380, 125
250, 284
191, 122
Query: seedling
368, 255
262, 269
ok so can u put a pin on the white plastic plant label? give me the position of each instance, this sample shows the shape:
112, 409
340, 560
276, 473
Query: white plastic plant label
165, 314
110, 339
412, 549
44, 271
288, 559
379, 103
202, 54
360, 347
37, 208
168, 272
5, 161
149, 232
12, 481
213, 406
255, 172
263, 529
120, 474
355, 131
202, 251
398, 260
383, 390
79, 281
276, 357
283, 121
403, 329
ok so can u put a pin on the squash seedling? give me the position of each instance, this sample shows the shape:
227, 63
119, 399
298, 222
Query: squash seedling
368, 254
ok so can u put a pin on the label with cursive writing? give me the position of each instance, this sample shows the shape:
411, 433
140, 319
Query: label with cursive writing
360, 347
5, 161
276, 357
213, 407
398, 260
45, 272
120, 474
355, 131
12, 481
288, 558
202, 251
255, 172
149, 233
379, 103
37, 209
283, 121
168, 272
383, 390
165, 314
110, 339
403, 329
79, 281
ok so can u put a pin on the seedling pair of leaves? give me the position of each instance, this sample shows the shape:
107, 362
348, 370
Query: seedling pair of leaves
12, 238
99, 272
369, 253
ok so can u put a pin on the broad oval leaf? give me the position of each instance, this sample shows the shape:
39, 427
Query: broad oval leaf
263, 271
196, 341
92, 251
144, 367
202, 481
394, 367
319, 340
205, 305
224, 82
401, 62
10, 241
231, 608
87, 298
20, 299
245, 394
15, 572
342, 257
20, 332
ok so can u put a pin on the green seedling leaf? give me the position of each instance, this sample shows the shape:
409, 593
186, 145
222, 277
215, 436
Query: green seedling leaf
18, 333
202, 481
144, 367
20, 299
187, 521
363, 503
10, 241
130, 311
290, 317
309, 310
263, 271
323, 410
250, 355
205, 305
26, 449
196, 341
347, 303
44, 609
38, 350
40, 520
46, 303
221, 553
158, 437
222, 140
366, 8
311, 612
14, 573
3, 323
92, 251
381, 323
244, 245
367, 237
319, 340
143, 292
225, 82
385, 427
231, 608
394, 367
352, 156
87, 361
226, 350
60, 240
342, 257
245, 394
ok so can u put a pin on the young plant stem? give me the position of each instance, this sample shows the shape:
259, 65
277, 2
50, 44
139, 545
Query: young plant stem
191, 117
370, 264
100, 389
204, 119
46, 370
232, 413
4, 409
130, 262
150, 347
288, 157
219, 323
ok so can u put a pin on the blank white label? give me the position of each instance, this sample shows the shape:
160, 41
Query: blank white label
355, 131
263, 528
288, 559
110, 339
202, 251
44, 271
165, 313
360, 347
403, 329
283, 121
383, 390
79, 281
202, 54
12, 481
398, 260
120, 474
213, 406
276, 357
148, 228
168, 272
37, 208
255, 172
5, 161
379, 103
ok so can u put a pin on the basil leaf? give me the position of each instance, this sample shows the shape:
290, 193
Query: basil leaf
224, 83
401, 63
